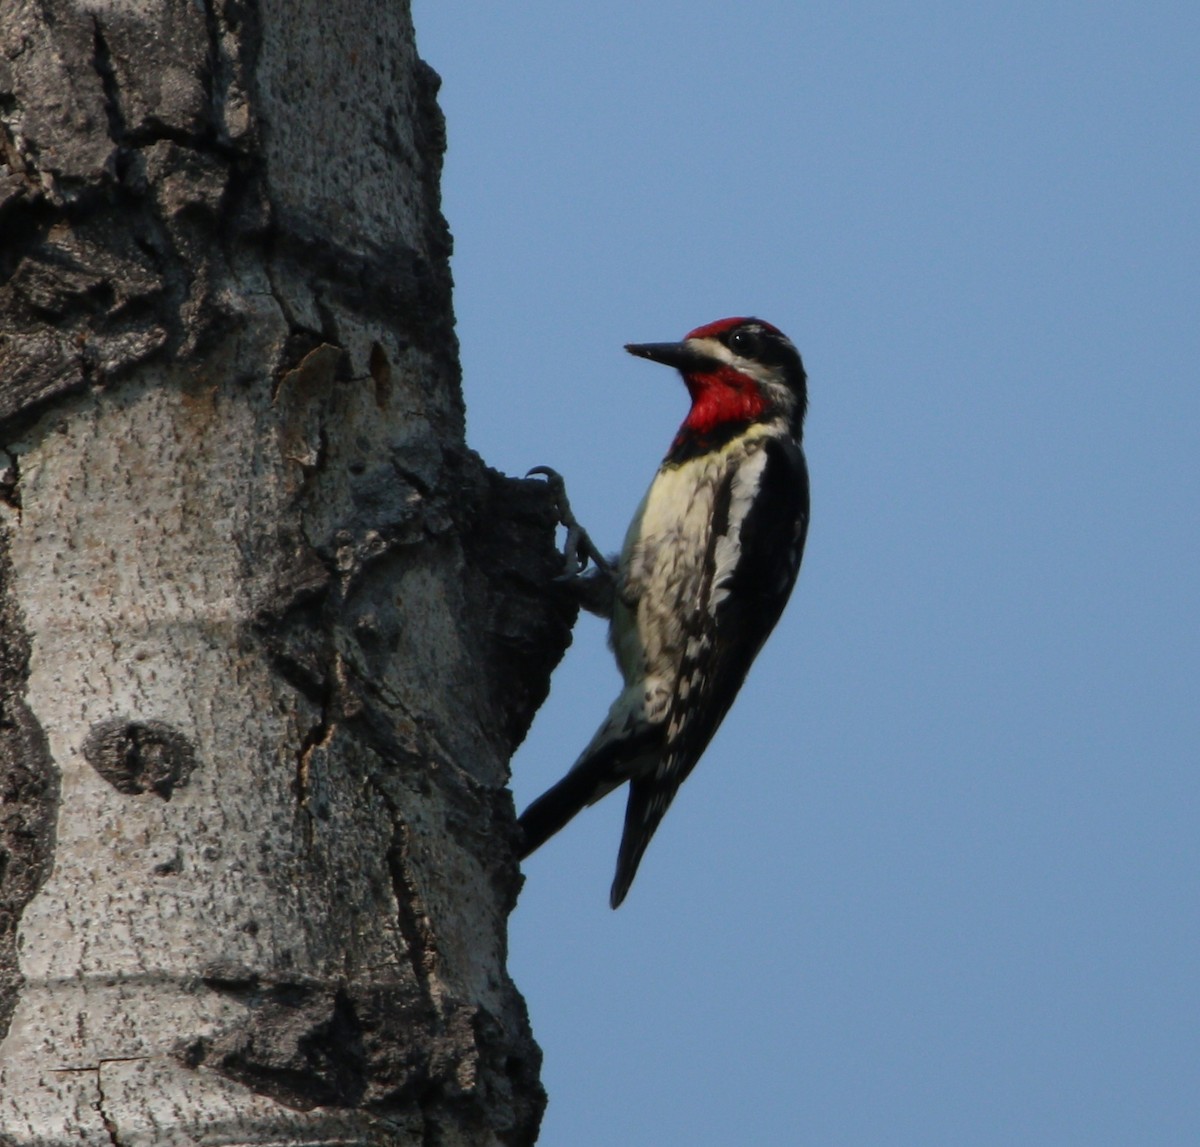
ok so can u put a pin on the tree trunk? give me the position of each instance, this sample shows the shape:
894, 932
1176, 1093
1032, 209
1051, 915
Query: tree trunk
269, 632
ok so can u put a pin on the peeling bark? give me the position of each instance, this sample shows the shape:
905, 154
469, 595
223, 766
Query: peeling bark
269, 631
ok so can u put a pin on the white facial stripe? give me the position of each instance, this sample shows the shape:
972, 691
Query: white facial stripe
715, 349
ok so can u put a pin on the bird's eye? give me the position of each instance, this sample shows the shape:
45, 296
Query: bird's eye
743, 342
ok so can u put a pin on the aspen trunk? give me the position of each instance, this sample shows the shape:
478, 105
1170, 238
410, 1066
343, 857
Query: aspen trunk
269, 632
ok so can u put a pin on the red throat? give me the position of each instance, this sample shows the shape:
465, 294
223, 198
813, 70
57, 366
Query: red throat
721, 397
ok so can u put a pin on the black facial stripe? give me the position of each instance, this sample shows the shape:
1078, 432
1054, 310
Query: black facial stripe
753, 341
756, 343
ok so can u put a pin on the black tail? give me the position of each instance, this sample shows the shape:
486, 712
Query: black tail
557, 805
600, 770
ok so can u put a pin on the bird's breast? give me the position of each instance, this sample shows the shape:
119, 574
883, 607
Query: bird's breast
662, 567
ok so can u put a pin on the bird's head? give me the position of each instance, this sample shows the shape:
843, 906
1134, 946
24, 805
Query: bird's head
738, 371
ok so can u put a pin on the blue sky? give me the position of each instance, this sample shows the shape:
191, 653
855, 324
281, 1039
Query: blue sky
937, 879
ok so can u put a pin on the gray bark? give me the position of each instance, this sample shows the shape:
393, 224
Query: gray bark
269, 632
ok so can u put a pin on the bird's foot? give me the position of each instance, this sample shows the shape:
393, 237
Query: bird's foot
579, 549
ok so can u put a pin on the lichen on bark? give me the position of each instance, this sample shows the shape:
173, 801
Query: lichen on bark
270, 629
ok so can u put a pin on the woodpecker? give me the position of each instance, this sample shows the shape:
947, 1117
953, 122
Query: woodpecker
707, 566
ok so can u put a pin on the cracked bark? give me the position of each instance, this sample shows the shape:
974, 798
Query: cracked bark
269, 631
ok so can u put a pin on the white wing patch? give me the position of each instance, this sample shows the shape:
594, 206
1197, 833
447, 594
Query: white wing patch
727, 551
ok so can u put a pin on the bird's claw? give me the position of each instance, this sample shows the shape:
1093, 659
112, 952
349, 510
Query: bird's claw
579, 549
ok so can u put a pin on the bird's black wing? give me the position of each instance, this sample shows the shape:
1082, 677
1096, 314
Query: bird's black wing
750, 567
